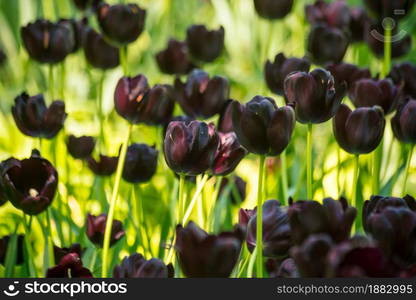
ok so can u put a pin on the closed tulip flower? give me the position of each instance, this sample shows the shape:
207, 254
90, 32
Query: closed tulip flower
358, 24
359, 131
34, 119
86, 4
236, 189
275, 72
271, 9
381, 9
203, 44
60, 253
315, 95
136, 266
405, 73
98, 52
30, 184
96, 229
80, 147
404, 121
121, 23
104, 166
174, 59
190, 148
206, 255
348, 73
334, 14
70, 266
4, 243
261, 127
140, 164
202, 96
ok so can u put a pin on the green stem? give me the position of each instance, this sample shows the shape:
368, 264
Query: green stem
110, 216
62, 81
377, 159
31, 265
123, 60
100, 110
182, 200
284, 177
309, 163
339, 170
194, 198
387, 51
354, 188
406, 174
49, 238
259, 225
51, 83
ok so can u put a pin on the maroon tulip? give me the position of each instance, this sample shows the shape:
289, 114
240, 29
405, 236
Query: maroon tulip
136, 266
404, 121
405, 73
225, 121
174, 59
105, 166
60, 253
203, 44
236, 189
96, 229
78, 28
348, 73
80, 147
358, 24
140, 164
70, 266
282, 269
334, 14
86, 4
271, 9
98, 52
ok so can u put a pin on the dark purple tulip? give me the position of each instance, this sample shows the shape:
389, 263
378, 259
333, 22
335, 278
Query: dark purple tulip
332, 217
358, 24
3, 57
327, 44
96, 229
405, 73
85, 4
404, 121
30, 184
190, 148
281, 269
228, 156
174, 59
359, 131
184, 118
104, 166
121, 23
4, 242
315, 95
237, 189
203, 44
140, 164
60, 253
276, 72
244, 216
272, 9
262, 127
70, 266
348, 73
225, 121
368, 92
202, 96
80, 147
276, 230
204, 255
48, 42
136, 266
98, 52
34, 119
334, 14
381, 9
78, 28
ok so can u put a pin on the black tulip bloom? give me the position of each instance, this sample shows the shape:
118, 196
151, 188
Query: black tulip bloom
78, 28
282, 269
35, 119
369, 92
225, 121
381, 9
190, 148
275, 72
206, 255
327, 44
140, 164
405, 73
136, 266
201, 96
48, 42
174, 59
122, 24
86, 4
261, 127
334, 14
359, 131
404, 121
104, 166
4, 243
96, 229
315, 95
80, 147
203, 44
3, 57
183, 118
60, 253
30, 184
98, 52
348, 73
271, 9
276, 230
332, 217
235, 189
70, 266
358, 24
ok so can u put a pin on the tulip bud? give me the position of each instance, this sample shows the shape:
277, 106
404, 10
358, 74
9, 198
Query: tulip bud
334, 14
348, 73
96, 229
204, 255
98, 52
276, 72
174, 59
4, 244
70, 266
85, 4
140, 164
105, 166
190, 148
262, 127
34, 119
80, 147
236, 189
203, 44
136, 266
405, 73
403, 122
381, 9
359, 131
121, 23
358, 24
228, 156
60, 253
48, 42
315, 96
271, 9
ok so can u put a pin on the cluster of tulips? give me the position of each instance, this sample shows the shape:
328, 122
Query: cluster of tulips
348, 237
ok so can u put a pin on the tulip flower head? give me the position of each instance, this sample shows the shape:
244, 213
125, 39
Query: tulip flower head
404, 123
70, 266
203, 44
96, 229
140, 164
98, 52
271, 9
405, 73
175, 59
104, 166
136, 266
80, 147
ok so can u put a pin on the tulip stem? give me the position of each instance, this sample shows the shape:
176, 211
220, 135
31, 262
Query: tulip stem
62, 81
28, 247
181, 202
284, 177
123, 59
195, 198
406, 174
259, 225
354, 190
377, 159
309, 163
110, 216
51, 82
100, 109
387, 51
